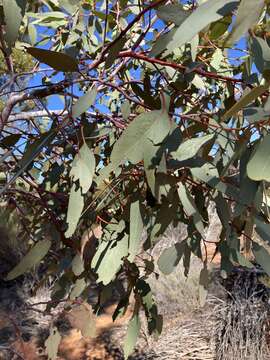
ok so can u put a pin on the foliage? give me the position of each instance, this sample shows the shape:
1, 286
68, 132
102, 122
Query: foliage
161, 110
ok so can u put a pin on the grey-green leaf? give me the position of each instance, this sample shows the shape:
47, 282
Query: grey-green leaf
52, 343
204, 15
258, 167
125, 109
84, 102
57, 60
83, 167
172, 13
108, 259
132, 335
14, 11
190, 207
245, 100
248, 14
136, 229
191, 147
153, 125
75, 207
114, 51
31, 259
78, 288
170, 258
262, 257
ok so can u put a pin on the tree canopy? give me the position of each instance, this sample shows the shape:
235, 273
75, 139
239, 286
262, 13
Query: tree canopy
120, 118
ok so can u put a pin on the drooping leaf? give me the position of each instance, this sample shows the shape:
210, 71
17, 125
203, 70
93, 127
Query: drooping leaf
132, 335
248, 14
14, 11
189, 148
109, 258
261, 53
69, 5
245, 100
190, 207
204, 15
78, 288
262, 257
57, 60
125, 109
114, 51
52, 343
258, 167
136, 228
75, 207
170, 258
172, 13
153, 125
77, 265
83, 167
84, 102
31, 259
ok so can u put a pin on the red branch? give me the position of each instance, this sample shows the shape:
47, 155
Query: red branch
199, 71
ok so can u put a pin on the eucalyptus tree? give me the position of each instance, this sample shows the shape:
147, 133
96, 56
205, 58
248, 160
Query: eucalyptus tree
143, 113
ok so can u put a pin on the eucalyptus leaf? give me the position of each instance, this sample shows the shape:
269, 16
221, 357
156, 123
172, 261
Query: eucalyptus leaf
14, 11
132, 335
247, 15
84, 103
75, 207
52, 344
189, 148
57, 60
258, 167
83, 167
31, 259
136, 229
204, 15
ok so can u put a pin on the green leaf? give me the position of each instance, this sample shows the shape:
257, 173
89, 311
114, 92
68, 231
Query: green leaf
77, 265
248, 15
125, 109
70, 5
162, 42
261, 53
190, 207
262, 257
190, 148
78, 288
84, 103
153, 125
172, 13
170, 258
57, 60
114, 51
132, 335
204, 15
75, 207
245, 100
258, 167
109, 258
14, 11
52, 343
262, 229
31, 259
136, 229
83, 168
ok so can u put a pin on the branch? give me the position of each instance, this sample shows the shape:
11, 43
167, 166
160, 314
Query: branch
199, 71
